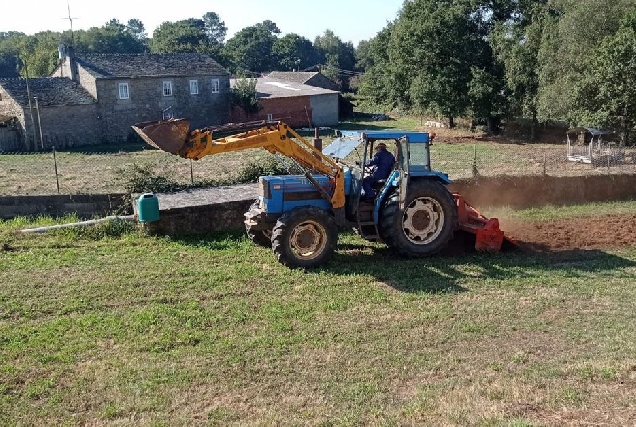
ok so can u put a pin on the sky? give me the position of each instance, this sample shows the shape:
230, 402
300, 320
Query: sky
351, 20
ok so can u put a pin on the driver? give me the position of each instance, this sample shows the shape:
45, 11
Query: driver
383, 162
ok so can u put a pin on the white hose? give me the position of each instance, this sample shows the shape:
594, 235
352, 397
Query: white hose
88, 223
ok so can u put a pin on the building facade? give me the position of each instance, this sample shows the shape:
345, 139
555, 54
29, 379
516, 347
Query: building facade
96, 98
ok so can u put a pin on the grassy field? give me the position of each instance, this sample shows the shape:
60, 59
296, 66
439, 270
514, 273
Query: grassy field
110, 326
107, 169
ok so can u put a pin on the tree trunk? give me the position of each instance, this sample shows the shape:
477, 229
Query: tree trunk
533, 127
493, 128
451, 122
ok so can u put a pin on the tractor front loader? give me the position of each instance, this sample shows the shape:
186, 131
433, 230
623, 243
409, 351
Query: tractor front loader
298, 216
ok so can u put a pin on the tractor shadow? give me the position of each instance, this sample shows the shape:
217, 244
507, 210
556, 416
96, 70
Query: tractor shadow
453, 269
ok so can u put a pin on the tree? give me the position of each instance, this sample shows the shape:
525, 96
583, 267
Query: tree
568, 48
377, 85
293, 52
516, 44
185, 36
609, 95
215, 29
431, 48
250, 50
137, 29
245, 96
339, 58
9, 65
112, 37
269, 26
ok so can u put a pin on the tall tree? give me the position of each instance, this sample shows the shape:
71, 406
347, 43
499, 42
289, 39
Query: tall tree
137, 29
250, 50
338, 57
215, 29
608, 97
516, 43
431, 49
9, 50
568, 49
112, 37
185, 36
294, 52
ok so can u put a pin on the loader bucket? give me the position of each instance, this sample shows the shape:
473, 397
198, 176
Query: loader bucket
488, 236
168, 135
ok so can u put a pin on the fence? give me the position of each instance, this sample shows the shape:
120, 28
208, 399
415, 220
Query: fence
101, 173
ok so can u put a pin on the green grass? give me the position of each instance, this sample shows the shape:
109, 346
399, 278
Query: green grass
113, 326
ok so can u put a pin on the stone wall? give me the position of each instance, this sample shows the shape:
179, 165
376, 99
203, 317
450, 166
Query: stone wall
147, 102
218, 209
65, 126
13, 140
210, 210
84, 205
529, 191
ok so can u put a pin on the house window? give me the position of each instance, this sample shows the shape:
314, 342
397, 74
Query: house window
124, 92
167, 88
194, 87
216, 85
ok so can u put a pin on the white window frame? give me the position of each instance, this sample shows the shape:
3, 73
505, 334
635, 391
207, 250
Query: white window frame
167, 88
194, 87
216, 85
124, 90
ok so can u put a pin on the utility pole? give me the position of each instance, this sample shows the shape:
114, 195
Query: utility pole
37, 108
70, 20
26, 73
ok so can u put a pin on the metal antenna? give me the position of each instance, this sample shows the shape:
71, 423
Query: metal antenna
70, 20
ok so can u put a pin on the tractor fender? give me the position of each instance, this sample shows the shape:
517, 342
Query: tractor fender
394, 181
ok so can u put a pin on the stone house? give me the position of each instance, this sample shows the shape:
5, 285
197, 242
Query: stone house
95, 98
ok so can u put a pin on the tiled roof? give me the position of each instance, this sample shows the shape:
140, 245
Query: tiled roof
48, 90
298, 77
149, 65
268, 87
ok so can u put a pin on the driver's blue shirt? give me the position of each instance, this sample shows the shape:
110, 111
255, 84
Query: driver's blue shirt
383, 162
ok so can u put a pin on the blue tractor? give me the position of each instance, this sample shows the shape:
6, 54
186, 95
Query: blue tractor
300, 215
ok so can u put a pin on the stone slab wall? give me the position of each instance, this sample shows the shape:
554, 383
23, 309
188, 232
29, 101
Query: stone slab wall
84, 205
529, 191
204, 211
218, 209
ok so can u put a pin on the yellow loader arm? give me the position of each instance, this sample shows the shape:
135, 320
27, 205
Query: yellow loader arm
174, 136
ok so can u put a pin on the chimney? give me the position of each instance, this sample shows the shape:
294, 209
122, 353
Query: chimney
68, 66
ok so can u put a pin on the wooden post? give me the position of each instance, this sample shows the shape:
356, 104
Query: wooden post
317, 139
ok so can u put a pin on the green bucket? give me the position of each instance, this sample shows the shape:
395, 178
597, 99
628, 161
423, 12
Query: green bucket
148, 207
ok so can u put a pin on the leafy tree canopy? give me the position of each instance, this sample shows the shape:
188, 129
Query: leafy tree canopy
250, 50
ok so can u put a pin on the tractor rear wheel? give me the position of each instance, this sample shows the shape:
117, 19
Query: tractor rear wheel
427, 223
256, 234
304, 237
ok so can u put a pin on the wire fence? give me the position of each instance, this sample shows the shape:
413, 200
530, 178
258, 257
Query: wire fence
108, 172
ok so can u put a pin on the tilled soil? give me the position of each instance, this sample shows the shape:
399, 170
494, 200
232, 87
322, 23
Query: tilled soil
599, 232
558, 236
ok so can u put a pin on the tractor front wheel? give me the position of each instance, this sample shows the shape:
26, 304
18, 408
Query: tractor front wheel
304, 237
427, 222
